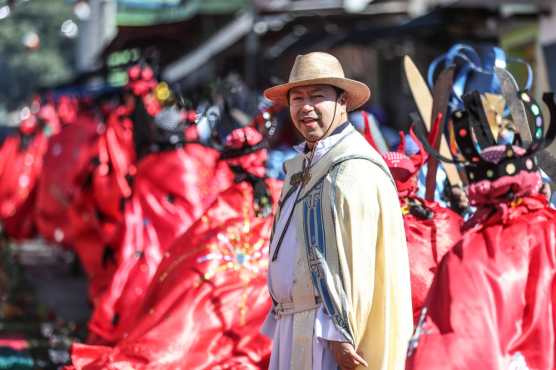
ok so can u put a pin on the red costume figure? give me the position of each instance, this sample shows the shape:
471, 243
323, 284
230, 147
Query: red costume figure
65, 213
116, 159
492, 302
208, 298
68, 156
98, 184
97, 215
169, 191
21, 168
431, 230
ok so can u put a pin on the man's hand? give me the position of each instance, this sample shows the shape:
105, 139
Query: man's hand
345, 355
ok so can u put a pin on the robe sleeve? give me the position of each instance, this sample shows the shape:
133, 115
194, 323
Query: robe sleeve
325, 329
374, 262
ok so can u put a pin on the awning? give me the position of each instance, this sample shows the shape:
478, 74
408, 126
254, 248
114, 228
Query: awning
153, 12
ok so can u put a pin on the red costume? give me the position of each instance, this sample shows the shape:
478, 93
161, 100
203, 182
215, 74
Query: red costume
21, 168
92, 186
205, 305
168, 191
431, 230
491, 305
97, 216
67, 159
64, 211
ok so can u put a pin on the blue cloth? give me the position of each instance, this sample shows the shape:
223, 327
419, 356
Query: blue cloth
440, 184
275, 161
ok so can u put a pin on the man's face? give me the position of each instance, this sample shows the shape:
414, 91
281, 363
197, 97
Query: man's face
312, 110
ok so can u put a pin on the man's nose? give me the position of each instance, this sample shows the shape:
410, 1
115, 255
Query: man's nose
307, 106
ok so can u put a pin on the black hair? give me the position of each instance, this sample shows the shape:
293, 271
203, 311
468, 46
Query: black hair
338, 91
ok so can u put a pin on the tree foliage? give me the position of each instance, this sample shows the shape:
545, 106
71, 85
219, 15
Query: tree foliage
23, 70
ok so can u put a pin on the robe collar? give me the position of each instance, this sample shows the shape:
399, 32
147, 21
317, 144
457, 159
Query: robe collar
347, 144
324, 145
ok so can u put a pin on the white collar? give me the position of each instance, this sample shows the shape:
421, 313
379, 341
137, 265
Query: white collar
324, 145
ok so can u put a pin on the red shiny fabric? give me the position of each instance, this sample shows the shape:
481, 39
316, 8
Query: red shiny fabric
92, 242
170, 191
96, 216
48, 115
67, 110
428, 240
116, 160
69, 155
430, 230
20, 170
207, 300
491, 305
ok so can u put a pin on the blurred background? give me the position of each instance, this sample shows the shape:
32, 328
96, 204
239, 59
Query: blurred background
63, 45
62, 59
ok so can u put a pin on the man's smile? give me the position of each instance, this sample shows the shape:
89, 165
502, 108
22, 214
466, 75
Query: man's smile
310, 122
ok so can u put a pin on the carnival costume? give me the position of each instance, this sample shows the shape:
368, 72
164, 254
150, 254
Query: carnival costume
491, 305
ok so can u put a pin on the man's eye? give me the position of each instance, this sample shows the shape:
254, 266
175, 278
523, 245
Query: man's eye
317, 96
296, 98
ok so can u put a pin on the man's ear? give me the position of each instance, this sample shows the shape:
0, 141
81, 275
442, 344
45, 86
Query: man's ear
343, 98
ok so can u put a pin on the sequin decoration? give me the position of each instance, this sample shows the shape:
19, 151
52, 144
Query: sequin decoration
236, 251
535, 109
529, 164
510, 168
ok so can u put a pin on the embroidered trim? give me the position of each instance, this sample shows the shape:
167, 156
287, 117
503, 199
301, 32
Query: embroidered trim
337, 171
315, 243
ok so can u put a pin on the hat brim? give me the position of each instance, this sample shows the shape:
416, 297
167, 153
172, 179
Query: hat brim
357, 92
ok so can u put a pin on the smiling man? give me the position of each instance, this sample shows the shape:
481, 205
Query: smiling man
339, 271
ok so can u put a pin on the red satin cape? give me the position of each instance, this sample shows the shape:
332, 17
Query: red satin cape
492, 300
207, 300
428, 240
170, 191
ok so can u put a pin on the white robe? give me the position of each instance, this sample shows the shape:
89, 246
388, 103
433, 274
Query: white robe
280, 280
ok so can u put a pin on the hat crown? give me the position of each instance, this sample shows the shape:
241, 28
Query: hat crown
315, 65
318, 68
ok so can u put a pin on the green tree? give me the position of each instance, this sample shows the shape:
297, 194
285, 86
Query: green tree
23, 70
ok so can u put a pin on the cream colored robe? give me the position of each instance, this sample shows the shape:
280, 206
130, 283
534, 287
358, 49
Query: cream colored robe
352, 253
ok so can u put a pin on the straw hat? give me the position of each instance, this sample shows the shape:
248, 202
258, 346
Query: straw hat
320, 69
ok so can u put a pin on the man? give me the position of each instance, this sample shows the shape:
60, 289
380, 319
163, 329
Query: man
339, 271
